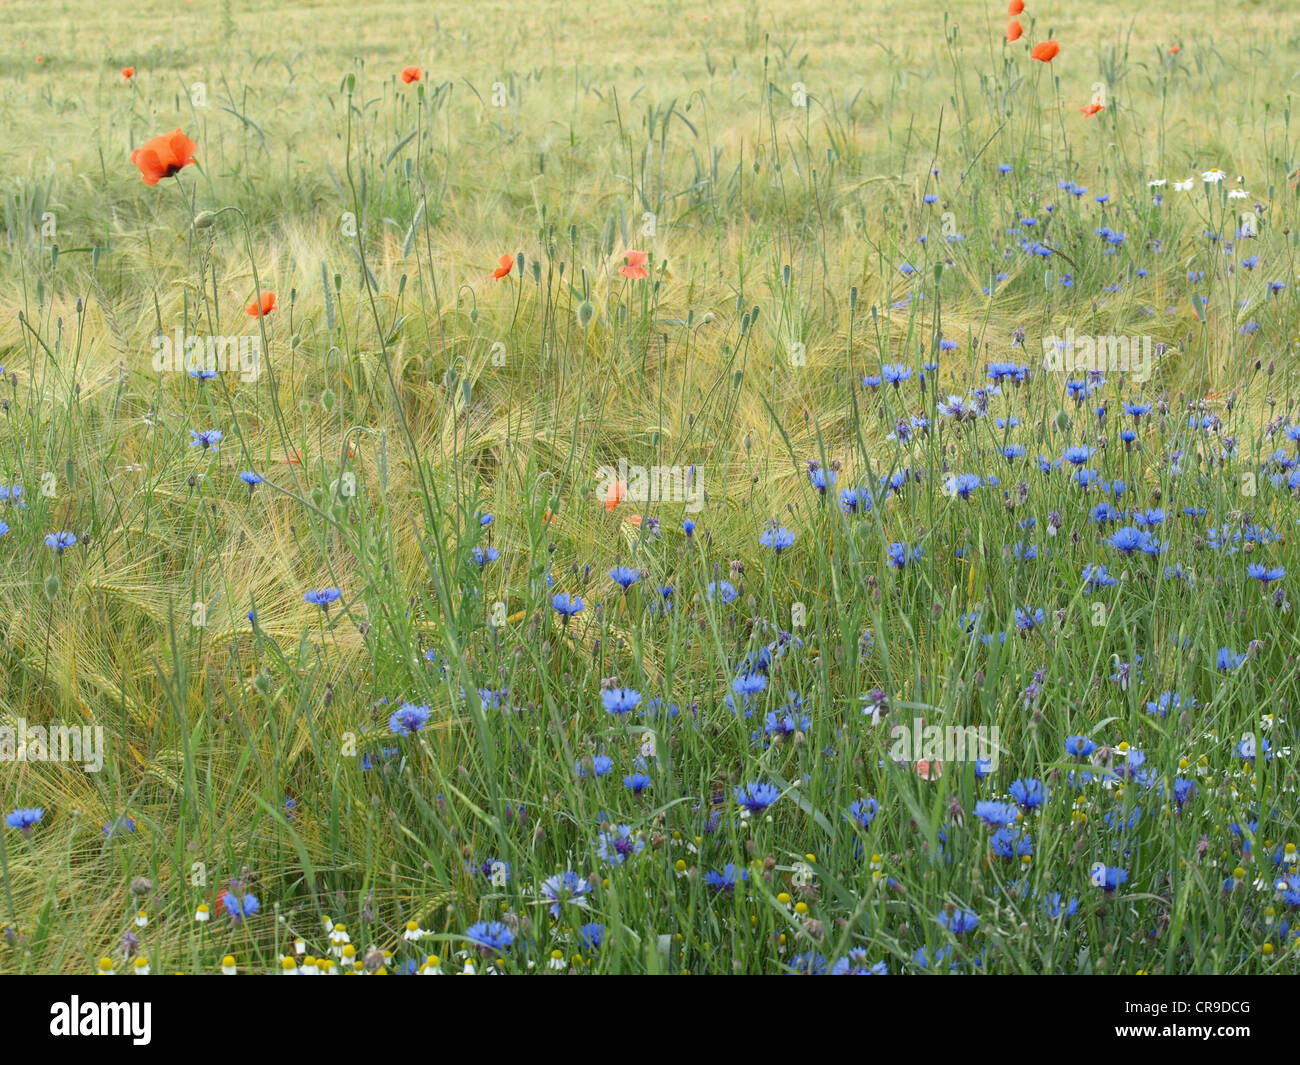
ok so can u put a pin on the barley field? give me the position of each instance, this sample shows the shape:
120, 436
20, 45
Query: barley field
649, 488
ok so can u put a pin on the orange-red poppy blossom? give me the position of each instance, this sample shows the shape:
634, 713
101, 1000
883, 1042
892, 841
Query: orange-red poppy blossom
1014, 30
411, 74
1175, 49
928, 770
260, 308
634, 267
1093, 108
1046, 51
615, 495
503, 266
163, 156
1015, 7
128, 73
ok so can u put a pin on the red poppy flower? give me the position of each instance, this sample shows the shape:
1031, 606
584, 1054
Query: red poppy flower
1015, 7
616, 494
503, 266
1014, 30
1046, 51
927, 770
1092, 109
411, 74
634, 267
128, 73
1175, 49
163, 156
260, 308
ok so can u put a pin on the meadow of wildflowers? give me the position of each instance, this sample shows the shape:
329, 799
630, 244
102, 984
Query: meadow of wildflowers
652, 488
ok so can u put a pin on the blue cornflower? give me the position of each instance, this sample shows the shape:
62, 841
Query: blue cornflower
209, 438
636, 783
855, 964
899, 555
1264, 574
564, 888
624, 576
724, 590
1054, 908
251, 479
1028, 793
959, 922
240, 906
1029, 618
25, 819
820, 478
1011, 843
601, 765
566, 606
620, 700
490, 936
862, 811
617, 843
322, 597
757, 797
1095, 576
1228, 659
1167, 701
484, 555
962, 485
777, 537
895, 373
1129, 539
750, 682
409, 718
60, 541
1079, 746
996, 814
724, 879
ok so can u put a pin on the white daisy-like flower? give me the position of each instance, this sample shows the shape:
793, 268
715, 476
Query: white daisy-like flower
413, 932
1238, 194
1183, 186
228, 965
432, 966
203, 913
141, 967
1213, 176
1157, 183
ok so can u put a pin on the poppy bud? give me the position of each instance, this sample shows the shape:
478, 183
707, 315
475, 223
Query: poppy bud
204, 220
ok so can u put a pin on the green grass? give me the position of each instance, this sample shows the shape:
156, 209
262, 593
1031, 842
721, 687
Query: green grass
405, 392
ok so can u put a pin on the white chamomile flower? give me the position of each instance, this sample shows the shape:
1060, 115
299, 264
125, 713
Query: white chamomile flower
1157, 183
1213, 176
413, 932
1238, 194
1183, 186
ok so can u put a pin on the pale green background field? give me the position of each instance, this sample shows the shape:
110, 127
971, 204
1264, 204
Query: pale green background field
745, 192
